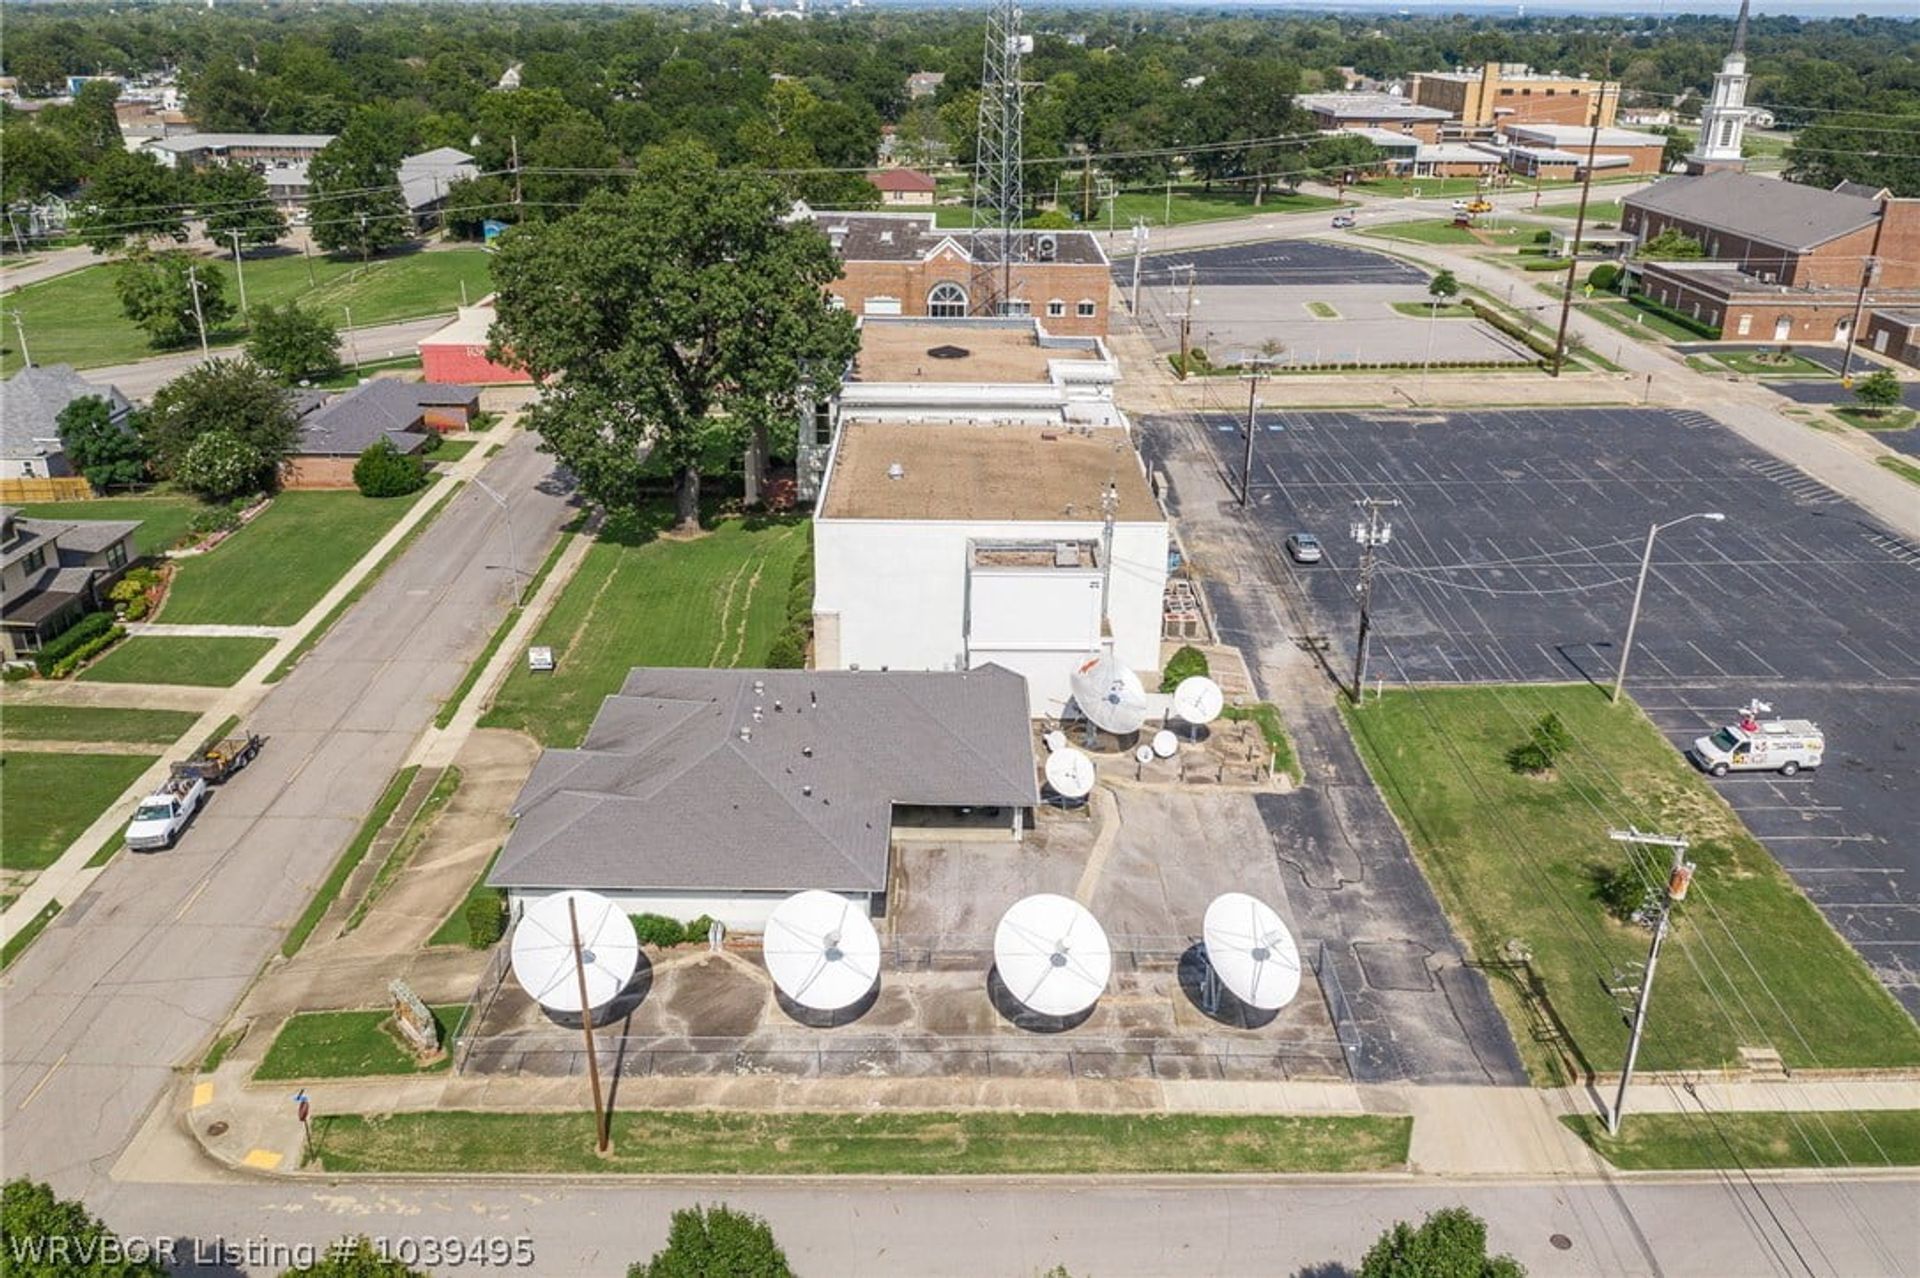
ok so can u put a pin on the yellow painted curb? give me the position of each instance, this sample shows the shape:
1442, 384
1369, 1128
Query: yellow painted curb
264, 1159
202, 1095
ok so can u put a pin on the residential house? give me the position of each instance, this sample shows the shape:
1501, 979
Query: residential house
903, 188
333, 435
53, 572
924, 84
424, 179
30, 409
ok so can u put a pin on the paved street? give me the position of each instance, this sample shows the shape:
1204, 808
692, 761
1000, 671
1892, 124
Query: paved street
130, 980
140, 379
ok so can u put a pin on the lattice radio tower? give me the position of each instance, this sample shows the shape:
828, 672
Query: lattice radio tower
998, 186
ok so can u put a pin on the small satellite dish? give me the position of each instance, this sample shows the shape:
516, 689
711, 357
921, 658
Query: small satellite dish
1109, 694
1198, 700
1052, 954
1165, 744
821, 950
1070, 773
1056, 740
1251, 951
1143, 754
543, 955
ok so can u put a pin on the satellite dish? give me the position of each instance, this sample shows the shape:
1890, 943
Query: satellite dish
1052, 955
1070, 773
1143, 754
543, 956
1056, 740
1165, 744
1109, 694
821, 950
1251, 951
1198, 699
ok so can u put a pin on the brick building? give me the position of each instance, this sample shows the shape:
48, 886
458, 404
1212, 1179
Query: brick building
1560, 151
1367, 111
1501, 93
1895, 334
902, 264
903, 188
458, 352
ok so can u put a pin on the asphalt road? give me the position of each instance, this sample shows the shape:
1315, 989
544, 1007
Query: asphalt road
131, 980
140, 379
1513, 557
1222, 1228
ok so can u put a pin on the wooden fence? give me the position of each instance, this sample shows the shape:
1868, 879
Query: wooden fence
18, 492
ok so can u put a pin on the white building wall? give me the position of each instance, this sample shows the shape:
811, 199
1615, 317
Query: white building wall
897, 591
740, 911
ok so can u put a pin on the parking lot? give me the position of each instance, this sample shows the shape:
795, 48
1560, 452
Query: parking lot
1513, 556
1303, 302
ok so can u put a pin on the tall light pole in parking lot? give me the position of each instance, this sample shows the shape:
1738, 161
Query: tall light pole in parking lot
1372, 532
1646, 562
513, 554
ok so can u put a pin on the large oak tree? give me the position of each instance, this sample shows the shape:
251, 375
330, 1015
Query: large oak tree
649, 312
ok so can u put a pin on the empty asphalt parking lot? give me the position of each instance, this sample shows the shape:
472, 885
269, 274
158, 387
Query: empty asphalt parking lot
1513, 556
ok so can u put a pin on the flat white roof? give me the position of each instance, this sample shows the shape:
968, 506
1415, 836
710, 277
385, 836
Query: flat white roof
216, 141
985, 473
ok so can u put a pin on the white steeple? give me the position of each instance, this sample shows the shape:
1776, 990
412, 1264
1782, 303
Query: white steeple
1724, 119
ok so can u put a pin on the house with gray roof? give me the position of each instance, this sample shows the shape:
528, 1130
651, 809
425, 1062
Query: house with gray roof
405, 414
425, 178
54, 572
31, 402
720, 792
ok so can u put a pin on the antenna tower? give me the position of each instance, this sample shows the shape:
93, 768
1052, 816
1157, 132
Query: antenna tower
998, 186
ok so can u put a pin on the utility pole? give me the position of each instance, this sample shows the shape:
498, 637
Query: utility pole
1253, 380
20, 327
353, 347
1674, 891
1139, 251
1869, 269
1167, 218
1186, 322
1371, 532
306, 249
514, 142
1579, 218
602, 1135
199, 317
1109, 507
239, 271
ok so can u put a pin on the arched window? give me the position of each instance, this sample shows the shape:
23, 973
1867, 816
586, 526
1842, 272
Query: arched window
947, 301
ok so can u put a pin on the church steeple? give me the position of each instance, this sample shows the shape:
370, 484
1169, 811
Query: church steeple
1724, 119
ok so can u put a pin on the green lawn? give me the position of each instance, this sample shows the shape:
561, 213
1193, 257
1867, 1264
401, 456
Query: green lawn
346, 1045
280, 565
1879, 419
1635, 322
1421, 310
643, 600
46, 722
1597, 211
76, 318
1773, 365
1189, 204
351, 376
1448, 232
1425, 188
906, 1144
1901, 467
1514, 857
450, 451
46, 800
163, 516
355, 852
1267, 715
453, 929
205, 663
1694, 1141
1323, 310
407, 844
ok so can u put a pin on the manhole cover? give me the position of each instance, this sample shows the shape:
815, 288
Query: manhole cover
216, 1129
1561, 1242
949, 352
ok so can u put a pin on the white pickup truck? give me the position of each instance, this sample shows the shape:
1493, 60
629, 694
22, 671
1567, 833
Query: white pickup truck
1760, 745
163, 814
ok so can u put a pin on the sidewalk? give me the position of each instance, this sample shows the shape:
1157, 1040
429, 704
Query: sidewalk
69, 876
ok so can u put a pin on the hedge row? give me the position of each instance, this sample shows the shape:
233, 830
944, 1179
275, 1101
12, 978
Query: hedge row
1672, 316
86, 652
788, 651
1538, 345
661, 931
83, 632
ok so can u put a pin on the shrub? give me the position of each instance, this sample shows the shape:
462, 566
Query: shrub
697, 928
486, 919
1622, 893
1185, 663
658, 929
1546, 741
1671, 315
14, 674
385, 471
83, 631
223, 517
788, 651
1604, 277
1543, 237
716, 1241
1544, 264
86, 652
220, 465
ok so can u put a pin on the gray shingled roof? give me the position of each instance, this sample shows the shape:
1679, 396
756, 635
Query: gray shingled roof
666, 793
883, 237
384, 408
1771, 210
30, 405
424, 178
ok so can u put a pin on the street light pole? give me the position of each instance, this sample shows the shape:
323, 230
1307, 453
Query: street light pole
1139, 251
1640, 586
20, 327
353, 347
513, 553
1372, 533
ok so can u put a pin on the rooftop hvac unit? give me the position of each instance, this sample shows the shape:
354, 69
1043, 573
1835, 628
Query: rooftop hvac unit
1046, 247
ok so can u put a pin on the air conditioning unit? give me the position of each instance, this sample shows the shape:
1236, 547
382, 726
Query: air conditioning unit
1046, 247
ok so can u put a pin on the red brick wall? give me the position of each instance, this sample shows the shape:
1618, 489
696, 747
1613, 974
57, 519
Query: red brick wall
1893, 338
1899, 248
1835, 264
1034, 282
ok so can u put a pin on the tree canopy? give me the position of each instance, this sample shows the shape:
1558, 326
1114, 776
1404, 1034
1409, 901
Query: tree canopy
355, 193
231, 396
43, 1236
157, 293
233, 199
131, 197
294, 343
1449, 1243
716, 1242
689, 295
109, 453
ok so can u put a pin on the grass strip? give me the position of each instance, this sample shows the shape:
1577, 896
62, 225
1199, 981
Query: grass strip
1323, 310
453, 929
916, 1144
1901, 467
348, 1045
16, 944
46, 722
1690, 1141
189, 660
1876, 418
107, 849
1267, 715
407, 844
355, 853
451, 706
360, 588
221, 1046
221, 733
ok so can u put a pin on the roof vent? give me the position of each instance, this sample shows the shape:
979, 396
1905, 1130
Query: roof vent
806, 791
896, 471
807, 751
746, 733
949, 352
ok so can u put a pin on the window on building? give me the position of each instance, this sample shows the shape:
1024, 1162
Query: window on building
1084, 309
1018, 308
1056, 308
836, 301
36, 559
947, 301
1506, 93
117, 555
1746, 324
881, 306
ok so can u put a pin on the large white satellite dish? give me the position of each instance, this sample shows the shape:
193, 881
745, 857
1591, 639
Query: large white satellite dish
1198, 699
1070, 773
1052, 955
1109, 694
821, 950
1251, 951
543, 956
1165, 744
